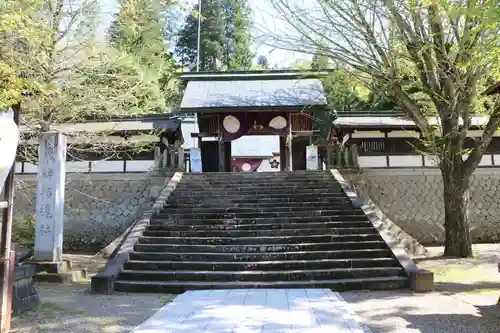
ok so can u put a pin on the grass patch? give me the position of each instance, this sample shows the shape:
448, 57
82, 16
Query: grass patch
485, 291
458, 273
51, 309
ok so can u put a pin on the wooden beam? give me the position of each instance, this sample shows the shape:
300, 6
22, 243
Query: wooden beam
220, 146
289, 142
283, 153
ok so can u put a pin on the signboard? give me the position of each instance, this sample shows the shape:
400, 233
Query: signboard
9, 138
312, 157
195, 159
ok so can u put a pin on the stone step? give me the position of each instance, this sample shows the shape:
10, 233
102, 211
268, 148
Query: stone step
165, 214
266, 181
292, 240
260, 265
247, 176
256, 191
265, 184
258, 225
261, 256
294, 196
263, 248
261, 276
260, 185
230, 205
253, 210
263, 180
261, 201
259, 233
297, 174
375, 283
278, 222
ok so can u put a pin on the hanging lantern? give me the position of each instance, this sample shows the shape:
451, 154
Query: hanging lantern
9, 139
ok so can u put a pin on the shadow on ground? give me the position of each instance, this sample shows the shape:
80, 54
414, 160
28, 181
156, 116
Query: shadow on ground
405, 312
72, 309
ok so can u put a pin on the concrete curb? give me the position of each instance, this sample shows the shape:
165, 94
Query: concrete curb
420, 280
103, 283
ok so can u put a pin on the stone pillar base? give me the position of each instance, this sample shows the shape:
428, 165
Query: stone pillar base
24, 295
57, 272
422, 281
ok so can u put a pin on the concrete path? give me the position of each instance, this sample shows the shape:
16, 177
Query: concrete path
254, 310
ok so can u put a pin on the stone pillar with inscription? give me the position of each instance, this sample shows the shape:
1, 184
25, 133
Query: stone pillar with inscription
50, 198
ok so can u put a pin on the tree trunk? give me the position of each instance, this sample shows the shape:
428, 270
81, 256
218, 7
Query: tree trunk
455, 195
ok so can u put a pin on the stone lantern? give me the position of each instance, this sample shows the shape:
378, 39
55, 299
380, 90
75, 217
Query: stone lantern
9, 140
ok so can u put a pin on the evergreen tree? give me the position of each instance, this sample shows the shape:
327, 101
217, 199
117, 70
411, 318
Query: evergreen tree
319, 62
139, 30
263, 62
225, 36
237, 24
212, 37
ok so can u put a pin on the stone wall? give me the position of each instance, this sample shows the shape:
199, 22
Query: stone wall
98, 207
412, 198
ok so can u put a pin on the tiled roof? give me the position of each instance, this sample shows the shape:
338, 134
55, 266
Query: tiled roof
253, 93
341, 121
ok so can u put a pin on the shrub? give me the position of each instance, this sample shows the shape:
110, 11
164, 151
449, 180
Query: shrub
23, 230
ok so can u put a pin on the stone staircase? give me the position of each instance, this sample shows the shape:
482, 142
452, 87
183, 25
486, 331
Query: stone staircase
260, 230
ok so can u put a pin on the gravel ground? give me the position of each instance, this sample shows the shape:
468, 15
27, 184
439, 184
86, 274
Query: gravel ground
465, 299
72, 309
406, 312
468, 290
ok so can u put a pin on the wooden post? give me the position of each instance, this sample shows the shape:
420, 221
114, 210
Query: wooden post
329, 156
354, 155
180, 154
338, 156
289, 142
157, 154
220, 147
164, 163
7, 256
283, 153
347, 156
173, 163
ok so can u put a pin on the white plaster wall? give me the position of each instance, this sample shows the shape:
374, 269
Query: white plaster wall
372, 161
405, 161
266, 165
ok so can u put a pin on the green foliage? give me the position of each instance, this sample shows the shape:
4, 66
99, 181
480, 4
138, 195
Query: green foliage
23, 230
237, 23
69, 73
225, 36
320, 62
113, 83
262, 62
139, 31
11, 87
16, 25
345, 91
212, 37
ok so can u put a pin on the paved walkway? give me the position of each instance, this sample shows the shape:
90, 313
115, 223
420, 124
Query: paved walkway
254, 310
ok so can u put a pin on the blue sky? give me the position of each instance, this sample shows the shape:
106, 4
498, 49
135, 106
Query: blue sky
264, 18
